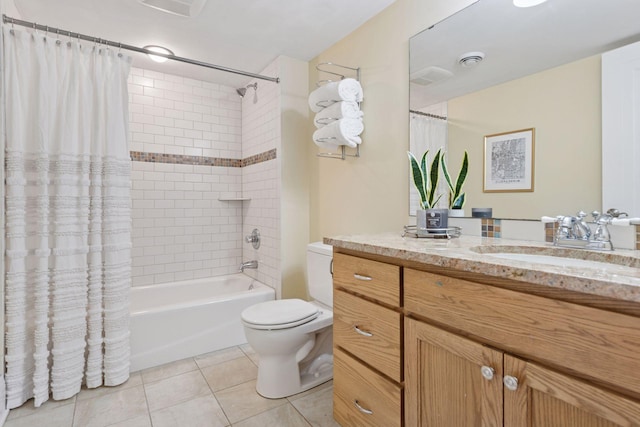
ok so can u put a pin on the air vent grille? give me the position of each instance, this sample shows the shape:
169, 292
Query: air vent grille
187, 8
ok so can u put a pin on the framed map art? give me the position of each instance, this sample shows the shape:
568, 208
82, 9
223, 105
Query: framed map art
508, 161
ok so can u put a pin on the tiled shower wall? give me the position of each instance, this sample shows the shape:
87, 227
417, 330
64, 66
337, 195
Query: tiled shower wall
261, 136
179, 128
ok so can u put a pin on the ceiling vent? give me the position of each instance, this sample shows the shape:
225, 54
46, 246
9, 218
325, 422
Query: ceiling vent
430, 75
470, 59
187, 8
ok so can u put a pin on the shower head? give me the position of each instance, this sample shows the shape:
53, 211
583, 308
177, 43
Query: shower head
243, 90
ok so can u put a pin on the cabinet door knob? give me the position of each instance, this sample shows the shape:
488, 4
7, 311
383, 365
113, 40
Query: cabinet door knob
361, 277
487, 372
361, 409
361, 332
510, 382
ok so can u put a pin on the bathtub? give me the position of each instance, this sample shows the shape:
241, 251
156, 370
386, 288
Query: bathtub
171, 321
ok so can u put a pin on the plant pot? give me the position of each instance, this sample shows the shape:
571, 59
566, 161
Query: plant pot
456, 213
432, 220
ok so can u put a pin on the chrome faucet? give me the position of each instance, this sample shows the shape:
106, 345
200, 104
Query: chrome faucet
574, 232
249, 264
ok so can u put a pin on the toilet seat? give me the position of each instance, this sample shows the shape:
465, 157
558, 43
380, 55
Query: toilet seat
279, 314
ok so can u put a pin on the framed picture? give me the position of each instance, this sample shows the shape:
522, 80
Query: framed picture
508, 161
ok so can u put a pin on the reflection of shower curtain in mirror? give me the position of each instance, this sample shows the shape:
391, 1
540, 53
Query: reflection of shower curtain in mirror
68, 230
427, 133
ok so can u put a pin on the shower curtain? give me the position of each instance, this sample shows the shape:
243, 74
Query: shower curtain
68, 230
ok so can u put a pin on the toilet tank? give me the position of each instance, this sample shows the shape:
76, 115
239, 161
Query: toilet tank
319, 278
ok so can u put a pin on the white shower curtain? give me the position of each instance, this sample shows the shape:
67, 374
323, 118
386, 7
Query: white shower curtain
68, 230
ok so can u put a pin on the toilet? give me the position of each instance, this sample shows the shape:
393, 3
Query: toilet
294, 338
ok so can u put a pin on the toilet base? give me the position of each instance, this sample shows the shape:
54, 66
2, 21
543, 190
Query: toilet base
270, 388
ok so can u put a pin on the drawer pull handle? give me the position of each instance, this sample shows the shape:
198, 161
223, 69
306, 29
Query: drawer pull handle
361, 409
361, 277
510, 382
361, 332
487, 372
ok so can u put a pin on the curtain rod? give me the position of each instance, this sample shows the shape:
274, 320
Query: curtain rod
57, 31
420, 113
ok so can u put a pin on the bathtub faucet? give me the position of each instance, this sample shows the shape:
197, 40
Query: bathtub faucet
248, 264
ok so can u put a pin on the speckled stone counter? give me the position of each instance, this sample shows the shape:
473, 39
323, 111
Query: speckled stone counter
613, 275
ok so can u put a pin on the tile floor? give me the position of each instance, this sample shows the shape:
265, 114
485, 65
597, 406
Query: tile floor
211, 390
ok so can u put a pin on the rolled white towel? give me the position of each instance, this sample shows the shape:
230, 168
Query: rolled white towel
343, 90
340, 132
339, 110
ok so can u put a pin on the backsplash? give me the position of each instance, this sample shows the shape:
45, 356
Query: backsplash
622, 237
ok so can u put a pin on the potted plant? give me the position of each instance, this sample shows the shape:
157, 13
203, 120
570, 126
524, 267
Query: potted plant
456, 196
425, 180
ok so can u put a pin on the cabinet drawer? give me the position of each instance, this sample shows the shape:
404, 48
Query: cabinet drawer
372, 279
377, 339
594, 343
354, 384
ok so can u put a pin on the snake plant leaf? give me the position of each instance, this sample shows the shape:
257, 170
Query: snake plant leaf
462, 175
433, 181
456, 197
418, 177
459, 202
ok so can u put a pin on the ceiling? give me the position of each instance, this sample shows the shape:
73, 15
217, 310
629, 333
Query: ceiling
516, 42
240, 34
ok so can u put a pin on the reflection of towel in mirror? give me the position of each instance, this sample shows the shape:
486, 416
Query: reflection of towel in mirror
339, 110
340, 132
343, 90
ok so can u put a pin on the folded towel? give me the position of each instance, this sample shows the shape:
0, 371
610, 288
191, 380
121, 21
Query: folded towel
343, 90
339, 110
340, 132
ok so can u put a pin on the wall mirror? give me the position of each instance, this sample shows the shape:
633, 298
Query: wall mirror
494, 68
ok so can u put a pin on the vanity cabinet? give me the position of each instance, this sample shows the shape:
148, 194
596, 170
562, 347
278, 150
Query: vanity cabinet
482, 355
367, 337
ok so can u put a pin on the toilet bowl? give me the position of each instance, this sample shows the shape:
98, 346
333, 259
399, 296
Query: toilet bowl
294, 338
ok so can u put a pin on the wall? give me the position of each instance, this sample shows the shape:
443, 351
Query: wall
179, 129
370, 194
563, 105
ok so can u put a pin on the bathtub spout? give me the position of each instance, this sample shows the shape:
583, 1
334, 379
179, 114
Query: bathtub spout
248, 264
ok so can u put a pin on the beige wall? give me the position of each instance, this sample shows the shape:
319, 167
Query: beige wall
563, 105
370, 194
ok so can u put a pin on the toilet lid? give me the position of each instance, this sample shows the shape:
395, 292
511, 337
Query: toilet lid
279, 314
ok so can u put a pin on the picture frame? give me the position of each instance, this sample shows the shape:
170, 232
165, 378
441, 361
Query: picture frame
509, 161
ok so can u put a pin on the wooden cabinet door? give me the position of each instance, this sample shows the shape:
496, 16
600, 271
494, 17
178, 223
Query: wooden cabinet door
543, 398
445, 383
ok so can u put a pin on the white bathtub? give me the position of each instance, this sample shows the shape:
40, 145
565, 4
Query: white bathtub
172, 321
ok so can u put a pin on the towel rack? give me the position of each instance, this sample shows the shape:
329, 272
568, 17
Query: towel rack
337, 70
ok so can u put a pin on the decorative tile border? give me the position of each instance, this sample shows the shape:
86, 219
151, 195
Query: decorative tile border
491, 227
637, 237
179, 159
550, 231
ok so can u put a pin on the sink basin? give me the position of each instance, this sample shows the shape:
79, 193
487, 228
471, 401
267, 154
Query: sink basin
563, 257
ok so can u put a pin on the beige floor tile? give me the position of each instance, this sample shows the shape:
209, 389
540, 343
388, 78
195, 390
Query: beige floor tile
250, 352
228, 374
213, 358
328, 384
203, 411
317, 407
176, 389
242, 401
168, 370
60, 416
86, 393
27, 408
141, 421
111, 408
282, 416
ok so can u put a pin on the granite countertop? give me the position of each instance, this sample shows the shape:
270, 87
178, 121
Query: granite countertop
613, 274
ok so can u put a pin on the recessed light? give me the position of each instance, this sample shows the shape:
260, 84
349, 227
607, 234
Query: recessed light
527, 3
470, 59
158, 49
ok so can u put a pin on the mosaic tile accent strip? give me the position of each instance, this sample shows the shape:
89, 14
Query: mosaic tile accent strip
491, 227
179, 159
637, 237
550, 231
